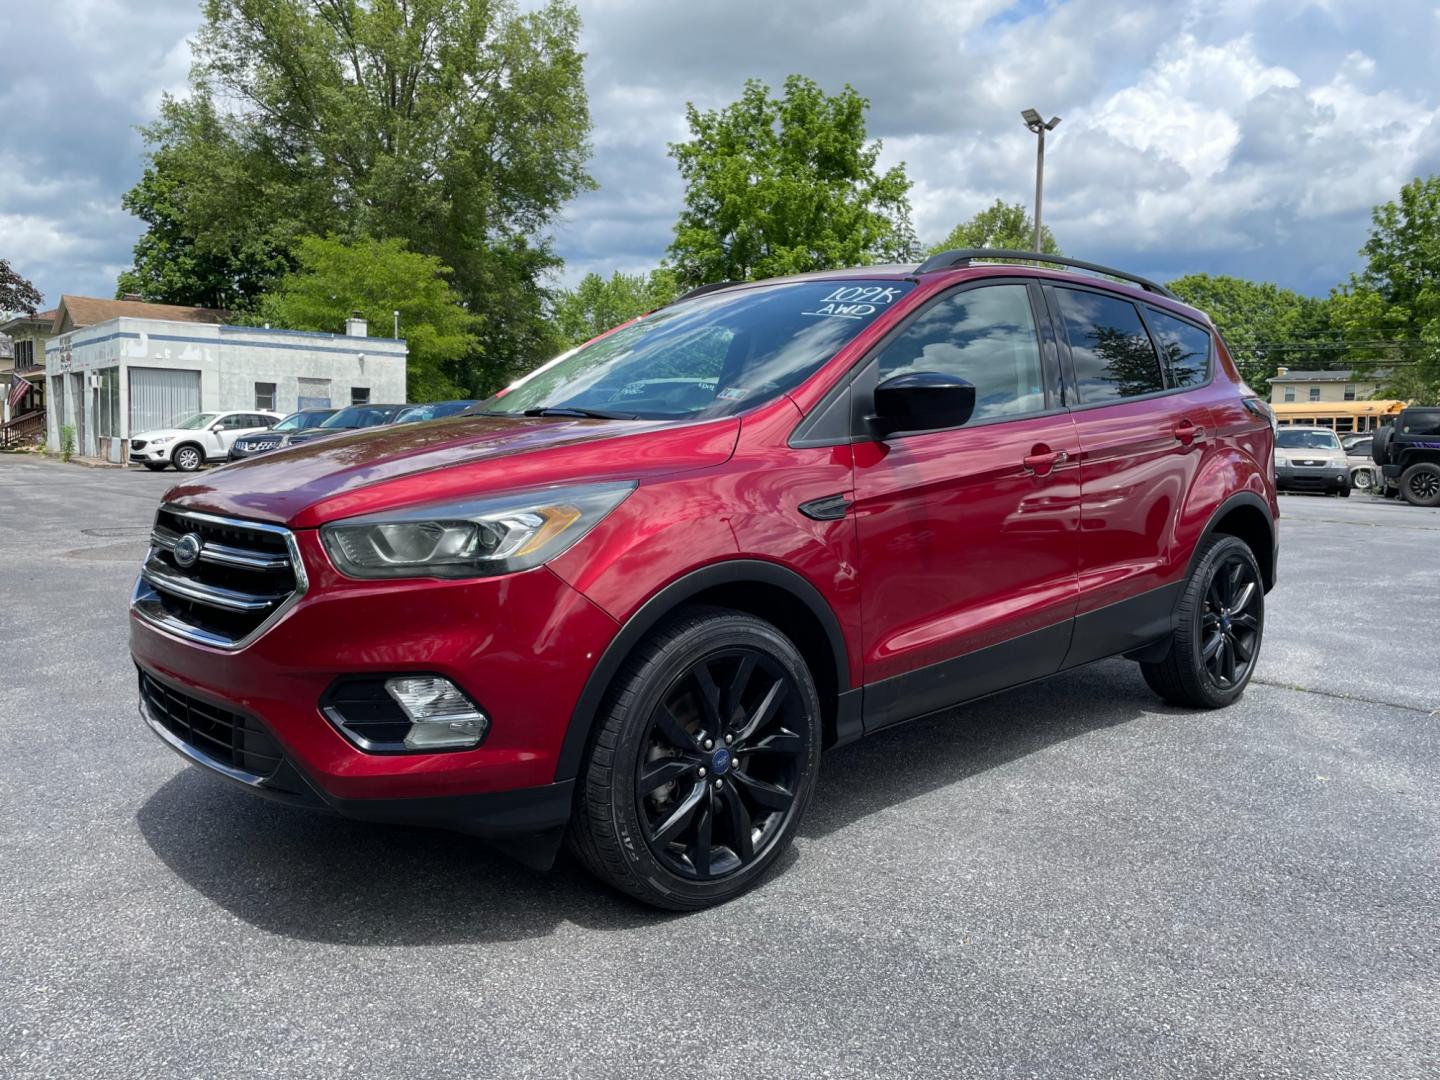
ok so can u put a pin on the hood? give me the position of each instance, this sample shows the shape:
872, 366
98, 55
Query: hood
381, 468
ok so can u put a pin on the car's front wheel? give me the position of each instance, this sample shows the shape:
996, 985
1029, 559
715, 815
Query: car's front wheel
703, 761
1218, 628
155, 466
187, 458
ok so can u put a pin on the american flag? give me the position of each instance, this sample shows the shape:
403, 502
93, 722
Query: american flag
18, 387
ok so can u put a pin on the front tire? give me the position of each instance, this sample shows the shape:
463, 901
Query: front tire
1218, 629
155, 466
704, 759
187, 458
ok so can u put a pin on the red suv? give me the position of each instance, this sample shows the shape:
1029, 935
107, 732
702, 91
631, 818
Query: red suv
632, 597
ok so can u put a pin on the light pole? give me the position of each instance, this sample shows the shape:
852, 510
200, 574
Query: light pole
1034, 122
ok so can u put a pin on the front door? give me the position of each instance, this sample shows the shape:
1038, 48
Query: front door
967, 536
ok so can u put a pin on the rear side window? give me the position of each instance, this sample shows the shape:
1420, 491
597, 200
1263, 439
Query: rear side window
1417, 422
1110, 349
986, 336
1184, 347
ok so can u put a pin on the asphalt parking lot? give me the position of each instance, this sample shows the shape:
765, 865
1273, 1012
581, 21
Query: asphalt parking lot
1069, 880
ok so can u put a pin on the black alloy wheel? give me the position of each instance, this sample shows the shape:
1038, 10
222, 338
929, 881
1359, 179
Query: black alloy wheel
1219, 624
701, 763
719, 766
1229, 627
1421, 484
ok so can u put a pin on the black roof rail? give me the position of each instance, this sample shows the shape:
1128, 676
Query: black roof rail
703, 289
946, 260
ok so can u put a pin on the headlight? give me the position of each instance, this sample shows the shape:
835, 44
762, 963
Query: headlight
162, 440
1281, 460
474, 538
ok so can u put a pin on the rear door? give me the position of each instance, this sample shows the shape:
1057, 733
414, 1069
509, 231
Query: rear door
967, 535
1143, 427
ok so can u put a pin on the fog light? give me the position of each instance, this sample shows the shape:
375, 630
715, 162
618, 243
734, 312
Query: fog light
442, 717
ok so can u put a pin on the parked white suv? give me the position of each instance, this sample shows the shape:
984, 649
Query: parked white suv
197, 439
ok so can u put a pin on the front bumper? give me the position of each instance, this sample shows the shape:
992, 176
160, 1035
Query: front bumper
521, 646
1307, 478
150, 454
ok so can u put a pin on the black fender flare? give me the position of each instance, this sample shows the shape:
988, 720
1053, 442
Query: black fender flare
1239, 499
661, 604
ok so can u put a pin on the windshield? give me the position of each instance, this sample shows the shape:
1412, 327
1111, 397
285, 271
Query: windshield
358, 416
197, 421
1292, 439
434, 411
301, 420
711, 356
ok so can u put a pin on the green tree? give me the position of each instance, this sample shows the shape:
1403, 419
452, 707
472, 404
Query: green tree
1264, 325
598, 304
1003, 225
377, 278
781, 186
17, 295
459, 126
1389, 313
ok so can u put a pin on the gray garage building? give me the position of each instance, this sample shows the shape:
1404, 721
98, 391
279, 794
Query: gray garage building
129, 374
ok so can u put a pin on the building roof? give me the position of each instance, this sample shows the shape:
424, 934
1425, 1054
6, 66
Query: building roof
1337, 375
77, 311
18, 323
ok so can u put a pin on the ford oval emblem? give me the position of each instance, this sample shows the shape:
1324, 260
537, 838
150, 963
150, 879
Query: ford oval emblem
187, 550
720, 761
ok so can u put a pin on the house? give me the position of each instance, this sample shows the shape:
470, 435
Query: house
117, 368
26, 360
1338, 399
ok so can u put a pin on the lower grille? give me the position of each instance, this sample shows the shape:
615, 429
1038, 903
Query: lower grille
230, 739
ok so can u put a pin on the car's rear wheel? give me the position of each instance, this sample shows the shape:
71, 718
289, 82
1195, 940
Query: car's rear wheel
704, 759
187, 458
1420, 484
1218, 629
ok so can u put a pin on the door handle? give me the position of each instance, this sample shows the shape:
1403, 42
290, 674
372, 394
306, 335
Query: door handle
1189, 432
1041, 460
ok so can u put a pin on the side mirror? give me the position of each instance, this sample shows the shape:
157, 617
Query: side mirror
217, 427
922, 401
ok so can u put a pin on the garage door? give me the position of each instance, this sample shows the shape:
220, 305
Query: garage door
161, 396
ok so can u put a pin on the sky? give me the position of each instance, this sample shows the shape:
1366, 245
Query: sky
1244, 137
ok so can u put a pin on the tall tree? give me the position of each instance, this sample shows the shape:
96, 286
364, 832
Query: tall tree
17, 295
780, 186
1389, 313
378, 278
459, 126
1264, 325
1003, 225
598, 304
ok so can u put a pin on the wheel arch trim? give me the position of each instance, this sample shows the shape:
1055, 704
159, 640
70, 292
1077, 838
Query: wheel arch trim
663, 603
1235, 502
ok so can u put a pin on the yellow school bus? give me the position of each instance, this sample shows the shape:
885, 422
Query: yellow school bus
1340, 417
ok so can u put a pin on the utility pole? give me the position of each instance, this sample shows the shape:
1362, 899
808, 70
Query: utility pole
1034, 122
397, 324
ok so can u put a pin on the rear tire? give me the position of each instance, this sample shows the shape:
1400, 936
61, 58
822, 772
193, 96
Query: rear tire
1420, 484
1218, 629
671, 821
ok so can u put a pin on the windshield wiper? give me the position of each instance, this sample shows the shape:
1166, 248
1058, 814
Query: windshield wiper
588, 414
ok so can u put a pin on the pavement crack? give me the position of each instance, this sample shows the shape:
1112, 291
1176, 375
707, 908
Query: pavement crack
1348, 697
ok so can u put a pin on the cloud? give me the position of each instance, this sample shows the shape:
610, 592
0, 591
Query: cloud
1239, 136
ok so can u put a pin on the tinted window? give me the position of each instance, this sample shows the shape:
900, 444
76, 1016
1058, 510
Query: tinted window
1417, 422
358, 416
710, 356
1184, 347
986, 336
1112, 353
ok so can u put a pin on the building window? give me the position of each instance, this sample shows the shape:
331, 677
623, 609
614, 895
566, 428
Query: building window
1350, 393
265, 396
107, 404
1314, 393
1289, 393
359, 395
24, 355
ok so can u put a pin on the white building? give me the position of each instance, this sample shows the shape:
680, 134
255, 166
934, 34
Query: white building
125, 375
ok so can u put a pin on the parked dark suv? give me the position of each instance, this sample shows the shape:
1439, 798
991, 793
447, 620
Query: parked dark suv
1408, 453
279, 435
634, 596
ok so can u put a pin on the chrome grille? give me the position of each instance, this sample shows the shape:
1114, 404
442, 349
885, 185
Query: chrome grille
219, 581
